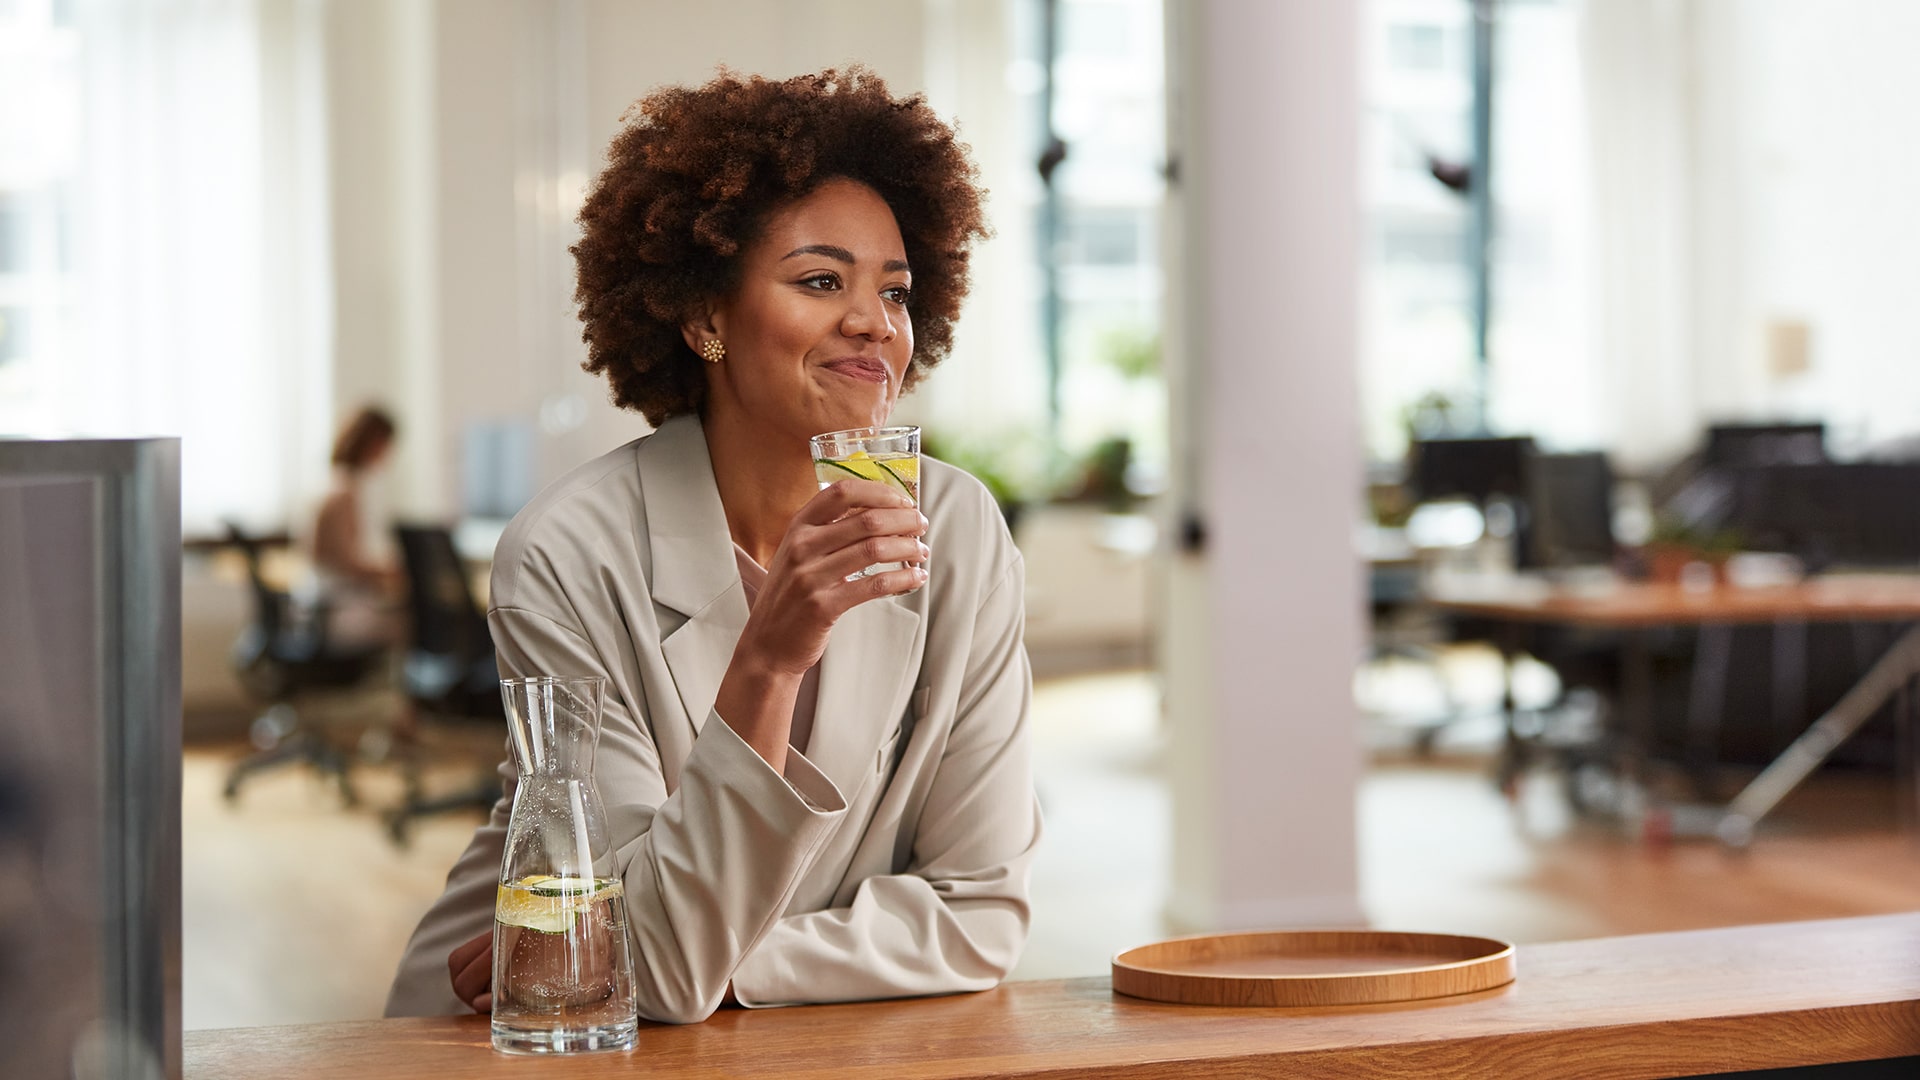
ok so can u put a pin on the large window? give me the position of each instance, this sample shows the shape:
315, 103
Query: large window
1108, 109
1418, 369
39, 165
163, 251
1417, 332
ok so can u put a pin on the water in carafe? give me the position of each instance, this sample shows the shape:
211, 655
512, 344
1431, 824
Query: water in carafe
562, 957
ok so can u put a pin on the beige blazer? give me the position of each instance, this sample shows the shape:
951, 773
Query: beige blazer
891, 859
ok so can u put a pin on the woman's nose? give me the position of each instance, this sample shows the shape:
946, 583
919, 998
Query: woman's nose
868, 318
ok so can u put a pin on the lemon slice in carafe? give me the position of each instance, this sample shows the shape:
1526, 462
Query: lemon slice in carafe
547, 903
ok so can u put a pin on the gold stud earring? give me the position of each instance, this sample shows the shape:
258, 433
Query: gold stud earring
713, 351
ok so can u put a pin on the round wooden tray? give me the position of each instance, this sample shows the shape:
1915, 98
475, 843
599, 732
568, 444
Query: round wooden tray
1312, 967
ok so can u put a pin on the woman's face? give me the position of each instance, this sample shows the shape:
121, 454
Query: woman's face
817, 333
377, 454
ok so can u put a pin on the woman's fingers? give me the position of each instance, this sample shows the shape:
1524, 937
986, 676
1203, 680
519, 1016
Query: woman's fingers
890, 582
476, 982
869, 551
811, 543
471, 969
852, 525
462, 957
816, 565
837, 500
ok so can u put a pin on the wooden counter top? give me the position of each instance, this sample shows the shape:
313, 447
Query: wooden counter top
1658, 1005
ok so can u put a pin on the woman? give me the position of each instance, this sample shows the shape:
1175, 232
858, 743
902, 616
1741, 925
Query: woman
359, 589
818, 788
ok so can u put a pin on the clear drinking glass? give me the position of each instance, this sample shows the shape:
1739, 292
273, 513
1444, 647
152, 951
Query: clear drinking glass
889, 455
562, 959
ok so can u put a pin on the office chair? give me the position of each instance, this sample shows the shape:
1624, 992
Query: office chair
1566, 523
1694, 489
448, 672
282, 656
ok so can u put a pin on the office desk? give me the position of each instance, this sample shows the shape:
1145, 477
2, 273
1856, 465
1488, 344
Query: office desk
1659, 1005
1633, 608
1642, 605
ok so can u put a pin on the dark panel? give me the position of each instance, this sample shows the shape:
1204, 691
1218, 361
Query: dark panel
90, 757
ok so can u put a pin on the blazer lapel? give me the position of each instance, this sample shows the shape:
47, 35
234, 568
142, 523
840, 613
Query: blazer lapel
866, 676
693, 569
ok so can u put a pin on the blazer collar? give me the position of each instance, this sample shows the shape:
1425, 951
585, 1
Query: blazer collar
867, 673
692, 561
686, 525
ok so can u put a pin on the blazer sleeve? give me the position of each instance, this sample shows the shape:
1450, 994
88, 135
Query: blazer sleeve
957, 919
707, 870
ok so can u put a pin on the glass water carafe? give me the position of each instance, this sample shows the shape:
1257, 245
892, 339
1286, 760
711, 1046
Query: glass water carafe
562, 961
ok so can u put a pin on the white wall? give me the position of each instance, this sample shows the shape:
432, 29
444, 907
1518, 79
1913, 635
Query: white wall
381, 131
1753, 168
1830, 194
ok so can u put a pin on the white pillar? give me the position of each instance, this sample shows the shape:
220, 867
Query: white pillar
1263, 622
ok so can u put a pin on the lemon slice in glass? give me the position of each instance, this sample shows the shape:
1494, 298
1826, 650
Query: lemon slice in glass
901, 474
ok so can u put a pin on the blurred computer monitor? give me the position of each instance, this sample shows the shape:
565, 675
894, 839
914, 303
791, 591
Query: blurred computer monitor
1568, 517
1739, 445
1863, 514
1476, 469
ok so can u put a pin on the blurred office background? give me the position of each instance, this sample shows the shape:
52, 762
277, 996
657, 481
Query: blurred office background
1544, 268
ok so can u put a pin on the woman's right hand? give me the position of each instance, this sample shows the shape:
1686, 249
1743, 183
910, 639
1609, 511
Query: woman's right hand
841, 531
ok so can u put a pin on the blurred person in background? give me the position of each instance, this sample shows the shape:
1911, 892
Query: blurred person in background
360, 590
817, 782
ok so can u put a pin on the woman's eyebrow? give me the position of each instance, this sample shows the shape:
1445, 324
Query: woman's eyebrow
840, 254
831, 251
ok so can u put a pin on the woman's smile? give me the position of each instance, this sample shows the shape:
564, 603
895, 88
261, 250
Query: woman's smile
859, 367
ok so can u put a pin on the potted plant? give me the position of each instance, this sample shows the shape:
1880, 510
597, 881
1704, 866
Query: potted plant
1675, 545
1101, 476
995, 462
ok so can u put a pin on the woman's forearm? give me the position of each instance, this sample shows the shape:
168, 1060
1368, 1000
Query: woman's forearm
715, 866
756, 701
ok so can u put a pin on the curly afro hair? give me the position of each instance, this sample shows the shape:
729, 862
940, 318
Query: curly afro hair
693, 177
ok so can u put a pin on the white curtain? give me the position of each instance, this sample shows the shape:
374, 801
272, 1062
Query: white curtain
201, 252
1638, 63
1544, 380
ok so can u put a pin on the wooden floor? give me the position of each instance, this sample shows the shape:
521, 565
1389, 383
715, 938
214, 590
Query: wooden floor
296, 910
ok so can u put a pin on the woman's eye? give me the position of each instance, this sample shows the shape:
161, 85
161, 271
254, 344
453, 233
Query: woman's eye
822, 282
899, 294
